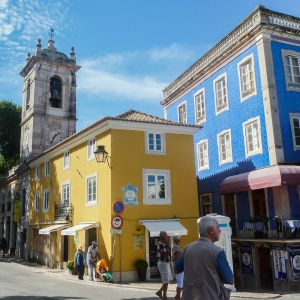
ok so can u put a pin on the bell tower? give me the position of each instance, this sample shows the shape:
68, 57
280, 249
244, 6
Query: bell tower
49, 99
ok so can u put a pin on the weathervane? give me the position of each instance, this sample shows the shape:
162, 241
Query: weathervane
51, 33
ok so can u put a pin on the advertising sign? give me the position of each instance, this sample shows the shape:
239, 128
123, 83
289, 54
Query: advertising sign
138, 241
294, 256
280, 272
247, 259
17, 211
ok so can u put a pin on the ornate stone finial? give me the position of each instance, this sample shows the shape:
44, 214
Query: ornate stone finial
28, 57
51, 33
39, 45
72, 53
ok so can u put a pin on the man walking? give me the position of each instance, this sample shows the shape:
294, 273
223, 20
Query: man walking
164, 257
92, 255
205, 265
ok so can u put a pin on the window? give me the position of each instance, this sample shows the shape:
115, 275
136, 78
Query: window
91, 187
291, 61
65, 193
200, 114
36, 202
205, 204
156, 186
37, 173
182, 113
224, 145
155, 143
91, 149
247, 77
66, 160
47, 169
295, 126
220, 89
202, 154
46, 200
252, 137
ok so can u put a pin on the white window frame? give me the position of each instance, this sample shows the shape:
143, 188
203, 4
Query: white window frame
66, 163
37, 202
91, 148
206, 166
157, 201
63, 184
290, 86
163, 143
37, 173
46, 201
296, 116
225, 106
245, 94
245, 124
46, 169
87, 202
228, 146
202, 118
182, 104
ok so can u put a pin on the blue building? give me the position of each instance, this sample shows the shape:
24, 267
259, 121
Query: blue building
245, 92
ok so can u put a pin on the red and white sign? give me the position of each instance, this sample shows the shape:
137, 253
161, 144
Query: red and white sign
116, 222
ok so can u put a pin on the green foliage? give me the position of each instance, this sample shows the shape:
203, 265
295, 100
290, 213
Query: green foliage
10, 134
141, 264
70, 264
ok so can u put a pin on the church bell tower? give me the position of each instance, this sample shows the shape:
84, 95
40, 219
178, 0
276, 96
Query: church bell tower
49, 99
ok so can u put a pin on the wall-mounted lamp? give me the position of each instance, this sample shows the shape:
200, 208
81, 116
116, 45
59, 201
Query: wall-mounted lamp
101, 155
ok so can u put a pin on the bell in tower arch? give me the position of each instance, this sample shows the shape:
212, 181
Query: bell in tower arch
55, 93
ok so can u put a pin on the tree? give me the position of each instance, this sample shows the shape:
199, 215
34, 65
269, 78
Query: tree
10, 134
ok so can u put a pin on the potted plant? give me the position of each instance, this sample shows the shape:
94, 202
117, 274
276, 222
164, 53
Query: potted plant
141, 266
70, 267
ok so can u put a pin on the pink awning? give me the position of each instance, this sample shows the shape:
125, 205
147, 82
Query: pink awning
262, 178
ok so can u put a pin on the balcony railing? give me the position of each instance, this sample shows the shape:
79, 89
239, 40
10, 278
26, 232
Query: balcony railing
271, 229
63, 212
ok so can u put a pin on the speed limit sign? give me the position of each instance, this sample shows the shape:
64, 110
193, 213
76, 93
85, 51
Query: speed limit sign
116, 222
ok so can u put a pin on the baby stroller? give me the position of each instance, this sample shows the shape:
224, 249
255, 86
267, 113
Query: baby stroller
101, 272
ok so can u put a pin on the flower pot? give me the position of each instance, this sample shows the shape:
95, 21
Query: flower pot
142, 274
73, 271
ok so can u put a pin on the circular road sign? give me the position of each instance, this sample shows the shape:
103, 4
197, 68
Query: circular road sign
116, 222
118, 207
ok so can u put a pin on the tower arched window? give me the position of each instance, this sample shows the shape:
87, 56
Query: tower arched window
3, 203
28, 94
55, 99
9, 200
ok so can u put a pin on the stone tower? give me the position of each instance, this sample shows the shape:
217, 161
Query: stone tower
49, 99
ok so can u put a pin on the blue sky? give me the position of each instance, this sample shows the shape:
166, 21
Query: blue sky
129, 50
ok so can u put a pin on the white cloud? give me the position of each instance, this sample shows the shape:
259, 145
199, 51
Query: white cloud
170, 53
3, 4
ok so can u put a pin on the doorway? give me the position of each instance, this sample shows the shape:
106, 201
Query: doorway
229, 211
66, 248
265, 268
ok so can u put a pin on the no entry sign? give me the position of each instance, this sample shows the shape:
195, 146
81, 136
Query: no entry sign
118, 207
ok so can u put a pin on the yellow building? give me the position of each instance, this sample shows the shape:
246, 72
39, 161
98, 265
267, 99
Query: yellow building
150, 170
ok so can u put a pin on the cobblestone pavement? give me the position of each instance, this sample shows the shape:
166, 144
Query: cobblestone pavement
149, 285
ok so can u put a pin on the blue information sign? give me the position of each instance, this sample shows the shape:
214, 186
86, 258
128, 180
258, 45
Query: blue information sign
118, 207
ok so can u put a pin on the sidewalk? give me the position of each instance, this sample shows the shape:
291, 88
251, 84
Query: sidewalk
149, 285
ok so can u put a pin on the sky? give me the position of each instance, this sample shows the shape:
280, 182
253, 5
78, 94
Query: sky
128, 50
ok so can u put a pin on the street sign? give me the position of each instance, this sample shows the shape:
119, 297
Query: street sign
116, 222
118, 207
115, 231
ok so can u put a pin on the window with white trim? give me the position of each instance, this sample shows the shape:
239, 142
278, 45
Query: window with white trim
46, 200
199, 100
47, 169
66, 160
37, 202
155, 143
182, 118
247, 77
91, 149
295, 126
65, 193
220, 90
224, 146
205, 204
291, 61
91, 190
252, 136
37, 173
202, 155
156, 187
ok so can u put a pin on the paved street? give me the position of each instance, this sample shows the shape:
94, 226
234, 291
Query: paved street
21, 280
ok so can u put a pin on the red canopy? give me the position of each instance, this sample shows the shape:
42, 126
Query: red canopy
262, 178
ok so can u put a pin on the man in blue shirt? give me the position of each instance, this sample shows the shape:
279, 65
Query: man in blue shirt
205, 265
